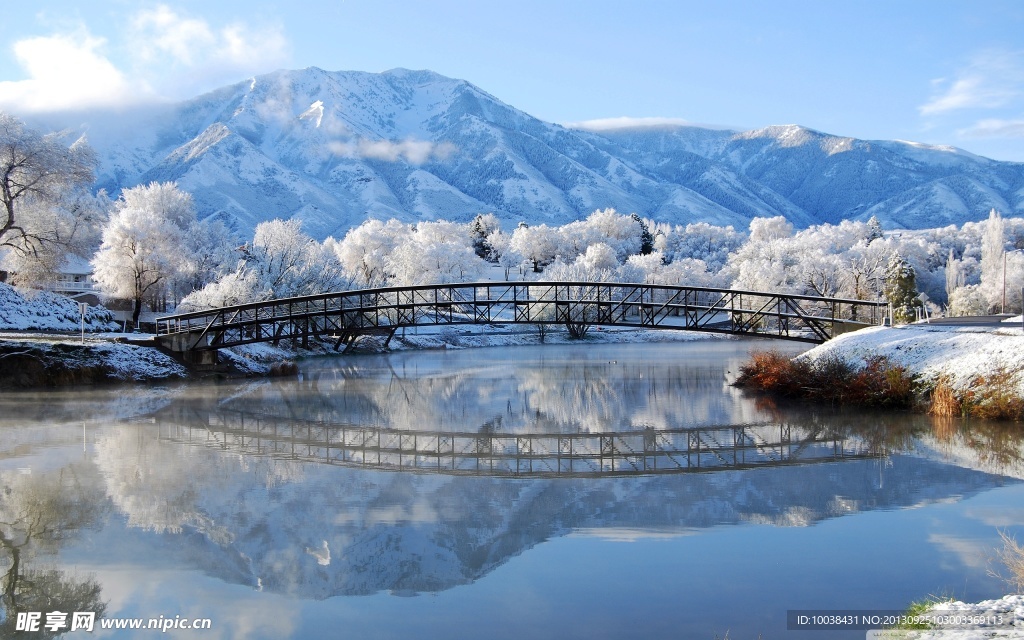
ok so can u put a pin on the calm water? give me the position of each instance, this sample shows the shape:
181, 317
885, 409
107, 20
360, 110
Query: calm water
585, 491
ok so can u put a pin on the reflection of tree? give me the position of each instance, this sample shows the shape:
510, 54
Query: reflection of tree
561, 390
997, 443
37, 515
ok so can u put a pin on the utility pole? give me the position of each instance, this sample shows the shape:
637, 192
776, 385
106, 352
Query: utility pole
1002, 308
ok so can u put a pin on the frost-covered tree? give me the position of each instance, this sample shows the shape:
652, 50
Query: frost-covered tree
537, 244
1002, 271
436, 252
865, 270
822, 273
288, 263
210, 252
280, 262
41, 179
142, 249
766, 261
967, 300
599, 257
365, 250
502, 253
901, 289
241, 286
954, 275
75, 225
698, 240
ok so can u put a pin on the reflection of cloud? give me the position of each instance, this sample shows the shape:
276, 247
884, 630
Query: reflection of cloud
418, 513
134, 590
971, 553
625, 122
622, 534
1001, 518
992, 79
167, 55
411, 150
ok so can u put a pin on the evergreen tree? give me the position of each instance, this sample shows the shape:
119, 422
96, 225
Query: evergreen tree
482, 226
901, 289
874, 230
646, 238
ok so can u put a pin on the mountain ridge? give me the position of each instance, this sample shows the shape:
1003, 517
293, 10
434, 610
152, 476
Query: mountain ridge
334, 148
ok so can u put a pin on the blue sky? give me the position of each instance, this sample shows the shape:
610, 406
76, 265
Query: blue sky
937, 71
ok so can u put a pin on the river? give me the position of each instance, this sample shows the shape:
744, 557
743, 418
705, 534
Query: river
560, 491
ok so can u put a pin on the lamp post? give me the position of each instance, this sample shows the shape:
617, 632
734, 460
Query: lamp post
82, 309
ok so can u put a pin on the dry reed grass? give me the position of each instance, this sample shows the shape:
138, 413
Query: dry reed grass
1012, 557
994, 397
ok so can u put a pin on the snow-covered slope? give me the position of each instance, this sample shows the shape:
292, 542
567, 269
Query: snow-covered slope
336, 147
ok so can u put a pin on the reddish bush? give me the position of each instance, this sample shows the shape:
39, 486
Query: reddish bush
879, 383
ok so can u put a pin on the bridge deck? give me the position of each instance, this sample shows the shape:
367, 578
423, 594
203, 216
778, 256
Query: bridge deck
347, 315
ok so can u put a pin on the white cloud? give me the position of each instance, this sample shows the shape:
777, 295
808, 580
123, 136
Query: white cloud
411, 150
994, 128
625, 122
161, 34
167, 56
66, 71
992, 79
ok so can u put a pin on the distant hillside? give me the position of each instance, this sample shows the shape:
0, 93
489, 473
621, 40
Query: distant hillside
334, 148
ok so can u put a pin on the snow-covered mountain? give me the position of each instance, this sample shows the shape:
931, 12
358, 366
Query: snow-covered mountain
334, 148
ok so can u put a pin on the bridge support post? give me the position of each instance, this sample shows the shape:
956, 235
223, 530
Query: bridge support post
185, 344
205, 358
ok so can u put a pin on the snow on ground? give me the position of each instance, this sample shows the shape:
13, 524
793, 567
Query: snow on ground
46, 311
961, 354
116, 360
1001, 618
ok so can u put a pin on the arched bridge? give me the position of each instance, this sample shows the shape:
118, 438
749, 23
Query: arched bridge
344, 316
646, 451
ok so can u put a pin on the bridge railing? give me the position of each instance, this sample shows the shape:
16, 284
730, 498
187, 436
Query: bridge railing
348, 313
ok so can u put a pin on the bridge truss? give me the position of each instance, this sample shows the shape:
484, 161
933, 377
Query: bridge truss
345, 316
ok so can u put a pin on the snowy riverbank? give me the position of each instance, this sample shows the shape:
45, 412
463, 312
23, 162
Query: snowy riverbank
959, 354
54, 361
999, 618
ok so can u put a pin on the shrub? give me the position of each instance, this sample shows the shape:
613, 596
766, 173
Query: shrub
879, 383
772, 372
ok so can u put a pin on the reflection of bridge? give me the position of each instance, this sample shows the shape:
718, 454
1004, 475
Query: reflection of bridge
346, 315
634, 452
